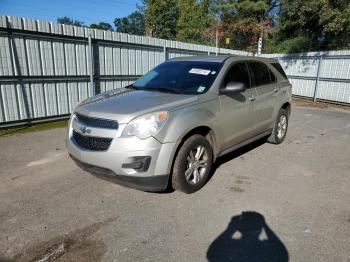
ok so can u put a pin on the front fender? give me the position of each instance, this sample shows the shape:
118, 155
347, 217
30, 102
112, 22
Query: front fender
184, 120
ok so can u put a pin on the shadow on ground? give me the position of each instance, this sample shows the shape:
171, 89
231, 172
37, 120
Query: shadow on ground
247, 238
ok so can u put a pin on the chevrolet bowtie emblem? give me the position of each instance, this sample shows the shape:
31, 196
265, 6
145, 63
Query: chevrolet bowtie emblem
84, 130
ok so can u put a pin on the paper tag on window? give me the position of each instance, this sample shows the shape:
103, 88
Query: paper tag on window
201, 89
199, 71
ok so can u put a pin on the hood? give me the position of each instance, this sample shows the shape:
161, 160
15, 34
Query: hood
124, 104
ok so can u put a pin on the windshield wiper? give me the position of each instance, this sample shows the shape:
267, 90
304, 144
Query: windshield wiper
163, 89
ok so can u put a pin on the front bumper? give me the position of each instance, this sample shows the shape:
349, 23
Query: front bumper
116, 163
151, 183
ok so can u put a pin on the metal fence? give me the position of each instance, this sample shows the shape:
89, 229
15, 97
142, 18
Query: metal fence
47, 68
319, 75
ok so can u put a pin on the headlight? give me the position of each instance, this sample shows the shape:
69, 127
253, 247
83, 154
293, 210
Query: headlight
146, 125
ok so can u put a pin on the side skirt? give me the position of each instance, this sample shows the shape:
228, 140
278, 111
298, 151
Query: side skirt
244, 143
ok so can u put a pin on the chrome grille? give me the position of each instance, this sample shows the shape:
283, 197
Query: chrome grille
97, 122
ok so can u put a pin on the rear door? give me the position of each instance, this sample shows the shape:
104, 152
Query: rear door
267, 89
237, 115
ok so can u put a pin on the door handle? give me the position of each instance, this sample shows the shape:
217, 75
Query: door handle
252, 98
276, 90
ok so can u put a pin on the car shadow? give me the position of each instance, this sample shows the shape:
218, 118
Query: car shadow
247, 238
234, 154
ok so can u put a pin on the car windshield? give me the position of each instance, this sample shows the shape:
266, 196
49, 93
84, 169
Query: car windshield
183, 77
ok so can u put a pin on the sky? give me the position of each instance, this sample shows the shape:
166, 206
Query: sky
87, 11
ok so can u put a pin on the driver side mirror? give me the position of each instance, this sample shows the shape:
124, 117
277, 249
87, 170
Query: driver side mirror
233, 87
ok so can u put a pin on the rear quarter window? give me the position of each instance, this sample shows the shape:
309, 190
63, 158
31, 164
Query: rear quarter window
279, 68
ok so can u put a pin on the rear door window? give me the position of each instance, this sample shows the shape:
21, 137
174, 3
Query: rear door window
260, 74
239, 73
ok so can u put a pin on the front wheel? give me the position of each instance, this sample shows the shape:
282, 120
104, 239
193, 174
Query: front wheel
192, 164
280, 127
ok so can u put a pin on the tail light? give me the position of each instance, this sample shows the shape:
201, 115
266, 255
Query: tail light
290, 87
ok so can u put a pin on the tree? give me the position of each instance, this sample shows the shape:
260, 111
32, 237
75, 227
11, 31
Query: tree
245, 21
194, 19
132, 24
317, 24
161, 18
103, 26
68, 21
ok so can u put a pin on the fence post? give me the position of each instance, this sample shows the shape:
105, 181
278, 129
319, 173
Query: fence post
91, 69
317, 77
165, 52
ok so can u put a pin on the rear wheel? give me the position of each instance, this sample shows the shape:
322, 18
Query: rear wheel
280, 127
192, 164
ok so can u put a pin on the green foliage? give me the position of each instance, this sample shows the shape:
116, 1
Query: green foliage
132, 24
161, 18
68, 21
194, 19
326, 23
294, 45
103, 26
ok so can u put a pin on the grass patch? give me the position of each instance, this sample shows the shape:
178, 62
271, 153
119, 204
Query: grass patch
34, 128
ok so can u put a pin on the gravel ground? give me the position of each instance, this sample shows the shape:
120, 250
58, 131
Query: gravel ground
264, 203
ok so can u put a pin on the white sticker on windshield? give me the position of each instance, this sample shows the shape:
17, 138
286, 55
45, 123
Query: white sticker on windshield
199, 71
201, 89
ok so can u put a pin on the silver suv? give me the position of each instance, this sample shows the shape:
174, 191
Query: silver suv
169, 127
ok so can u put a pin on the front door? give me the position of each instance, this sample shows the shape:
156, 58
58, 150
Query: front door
237, 112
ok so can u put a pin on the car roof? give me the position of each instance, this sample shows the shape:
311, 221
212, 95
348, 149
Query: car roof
222, 58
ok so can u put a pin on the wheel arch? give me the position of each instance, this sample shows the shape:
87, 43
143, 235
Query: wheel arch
287, 106
203, 130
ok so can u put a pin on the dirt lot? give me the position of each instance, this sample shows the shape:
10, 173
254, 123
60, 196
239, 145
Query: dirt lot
264, 203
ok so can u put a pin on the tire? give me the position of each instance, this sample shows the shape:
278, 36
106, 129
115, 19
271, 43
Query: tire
280, 128
195, 153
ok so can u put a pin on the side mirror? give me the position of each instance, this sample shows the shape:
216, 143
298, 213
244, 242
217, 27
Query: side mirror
233, 87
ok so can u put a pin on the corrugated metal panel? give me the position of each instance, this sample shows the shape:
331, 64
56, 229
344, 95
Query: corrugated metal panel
38, 100
335, 91
62, 98
71, 68
3, 21
24, 101
5, 57
81, 59
83, 91
336, 68
73, 97
34, 59
116, 61
303, 87
10, 102
19, 56
43, 26
108, 63
59, 58
46, 57
50, 99
2, 113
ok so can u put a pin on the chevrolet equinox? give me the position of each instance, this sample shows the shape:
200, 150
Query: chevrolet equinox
169, 127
